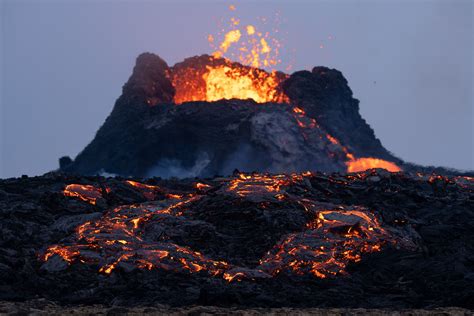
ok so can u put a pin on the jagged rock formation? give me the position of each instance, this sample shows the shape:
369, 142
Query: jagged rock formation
147, 134
149, 80
325, 95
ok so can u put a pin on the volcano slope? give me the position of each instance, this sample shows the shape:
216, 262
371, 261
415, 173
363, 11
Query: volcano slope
200, 118
373, 239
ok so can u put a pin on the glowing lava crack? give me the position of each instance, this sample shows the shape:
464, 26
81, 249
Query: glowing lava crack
135, 236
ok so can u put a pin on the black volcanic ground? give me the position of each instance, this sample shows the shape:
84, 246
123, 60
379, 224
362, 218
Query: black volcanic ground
435, 213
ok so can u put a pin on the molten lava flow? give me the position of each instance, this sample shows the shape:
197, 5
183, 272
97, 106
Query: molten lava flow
116, 238
149, 191
262, 184
333, 240
323, 248
362, 164
465, 182
353, 164
202, 186
85, 192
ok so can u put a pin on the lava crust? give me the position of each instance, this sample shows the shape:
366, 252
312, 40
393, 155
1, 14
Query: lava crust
373, 239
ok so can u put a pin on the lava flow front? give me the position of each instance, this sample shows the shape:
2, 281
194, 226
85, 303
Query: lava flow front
140, 236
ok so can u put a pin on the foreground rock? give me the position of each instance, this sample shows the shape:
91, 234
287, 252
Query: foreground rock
372, 240
43, 307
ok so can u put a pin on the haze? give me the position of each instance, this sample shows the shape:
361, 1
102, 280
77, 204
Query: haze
64, 63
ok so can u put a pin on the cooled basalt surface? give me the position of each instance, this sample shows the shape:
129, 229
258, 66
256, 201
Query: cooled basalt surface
43, 307
372, 239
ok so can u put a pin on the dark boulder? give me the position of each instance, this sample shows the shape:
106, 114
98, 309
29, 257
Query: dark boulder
150, 80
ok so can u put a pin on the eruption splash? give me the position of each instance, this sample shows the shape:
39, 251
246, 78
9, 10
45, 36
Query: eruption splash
253, 49
272, 122
224, 79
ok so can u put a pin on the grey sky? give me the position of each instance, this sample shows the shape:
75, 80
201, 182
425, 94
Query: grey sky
64, 63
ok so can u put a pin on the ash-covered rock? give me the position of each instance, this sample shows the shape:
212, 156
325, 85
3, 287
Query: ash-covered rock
205, 139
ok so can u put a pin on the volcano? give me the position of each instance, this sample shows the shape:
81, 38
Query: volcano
335, 236
207, 116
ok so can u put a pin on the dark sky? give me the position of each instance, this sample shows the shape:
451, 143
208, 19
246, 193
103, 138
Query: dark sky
64, 63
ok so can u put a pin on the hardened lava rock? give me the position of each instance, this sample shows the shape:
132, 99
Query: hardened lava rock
372, 239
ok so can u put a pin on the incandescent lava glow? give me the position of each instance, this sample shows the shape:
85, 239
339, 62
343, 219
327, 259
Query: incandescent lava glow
223, 79
235, 71
225, 82
329, 241
362, 164
353, 164
217, 77
87, 193
333, 240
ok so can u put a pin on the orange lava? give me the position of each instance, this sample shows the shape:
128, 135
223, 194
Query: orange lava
222, 79
362, 164
262, 184
225, 82
336, 238
328, 243
219, 78
87, 193
148, 191
202, 186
